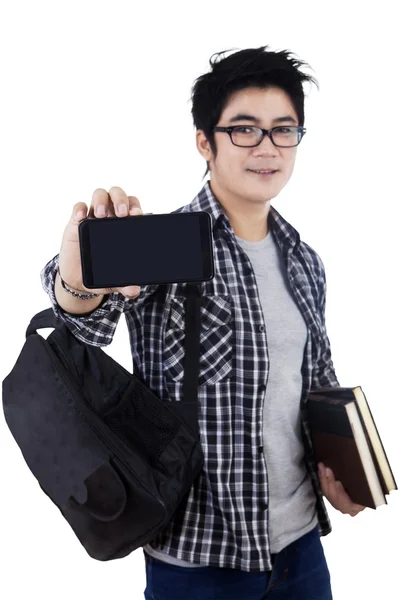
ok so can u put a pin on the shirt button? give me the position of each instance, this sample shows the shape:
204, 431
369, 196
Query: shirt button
260, 449
264, 506
261, 328
262, 388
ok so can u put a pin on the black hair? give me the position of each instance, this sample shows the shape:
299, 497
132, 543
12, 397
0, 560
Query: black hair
253, 67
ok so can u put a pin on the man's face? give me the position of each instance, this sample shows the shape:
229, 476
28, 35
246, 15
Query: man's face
231, 172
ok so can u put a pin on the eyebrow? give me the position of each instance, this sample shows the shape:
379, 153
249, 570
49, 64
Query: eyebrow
245, 117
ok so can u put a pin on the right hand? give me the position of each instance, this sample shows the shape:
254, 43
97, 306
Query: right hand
70, 257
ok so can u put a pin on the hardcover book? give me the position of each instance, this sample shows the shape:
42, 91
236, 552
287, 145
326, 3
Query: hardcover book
346, 439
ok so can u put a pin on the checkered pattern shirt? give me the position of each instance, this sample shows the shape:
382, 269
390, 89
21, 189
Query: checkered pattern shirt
223, 521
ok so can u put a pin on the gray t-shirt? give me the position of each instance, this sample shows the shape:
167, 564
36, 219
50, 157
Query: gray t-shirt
292, 509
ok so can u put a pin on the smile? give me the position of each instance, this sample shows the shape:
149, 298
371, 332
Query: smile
261, 172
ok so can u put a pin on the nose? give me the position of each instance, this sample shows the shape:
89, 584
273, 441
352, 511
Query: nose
265, 148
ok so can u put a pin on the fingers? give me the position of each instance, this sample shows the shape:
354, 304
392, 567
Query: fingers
354, 513
335, 492
131, 292
119, 201
329, 490
104, 204
323, 479
355, 509
100, 206
113, 203
332, 489
134, 204
79, 212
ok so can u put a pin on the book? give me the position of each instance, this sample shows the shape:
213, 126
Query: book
345, 438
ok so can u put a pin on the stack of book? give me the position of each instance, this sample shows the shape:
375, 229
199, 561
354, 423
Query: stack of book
346, 440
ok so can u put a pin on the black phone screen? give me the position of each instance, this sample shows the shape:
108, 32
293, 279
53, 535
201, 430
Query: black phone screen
146, 249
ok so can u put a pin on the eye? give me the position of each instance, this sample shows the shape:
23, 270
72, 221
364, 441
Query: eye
284, 129
244, 130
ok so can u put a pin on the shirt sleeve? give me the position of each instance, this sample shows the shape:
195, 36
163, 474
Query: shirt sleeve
323, 371
96, 328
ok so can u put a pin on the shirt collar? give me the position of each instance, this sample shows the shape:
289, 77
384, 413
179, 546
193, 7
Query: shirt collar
285, 234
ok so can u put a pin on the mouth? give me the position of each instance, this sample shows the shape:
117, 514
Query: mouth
263, 172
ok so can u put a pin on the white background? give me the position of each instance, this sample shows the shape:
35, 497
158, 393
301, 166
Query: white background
96, 94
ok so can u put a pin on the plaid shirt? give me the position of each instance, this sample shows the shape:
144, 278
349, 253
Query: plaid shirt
223, 521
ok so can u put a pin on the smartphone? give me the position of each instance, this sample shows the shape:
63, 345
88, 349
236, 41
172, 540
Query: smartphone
146, 249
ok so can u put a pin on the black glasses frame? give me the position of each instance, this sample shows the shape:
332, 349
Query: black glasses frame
269, 132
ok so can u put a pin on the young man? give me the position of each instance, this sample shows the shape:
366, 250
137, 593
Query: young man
252, 521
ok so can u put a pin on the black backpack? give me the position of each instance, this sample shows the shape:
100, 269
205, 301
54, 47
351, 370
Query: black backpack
114, 458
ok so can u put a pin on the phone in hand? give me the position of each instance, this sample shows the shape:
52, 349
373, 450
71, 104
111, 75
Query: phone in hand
146, 249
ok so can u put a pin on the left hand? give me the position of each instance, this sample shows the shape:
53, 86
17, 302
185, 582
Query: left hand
335, 492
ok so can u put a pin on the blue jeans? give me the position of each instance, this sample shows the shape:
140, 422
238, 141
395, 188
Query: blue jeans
299, 572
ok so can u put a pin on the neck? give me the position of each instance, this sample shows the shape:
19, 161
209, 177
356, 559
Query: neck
248, 219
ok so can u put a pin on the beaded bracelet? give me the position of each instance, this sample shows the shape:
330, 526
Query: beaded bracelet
76, 294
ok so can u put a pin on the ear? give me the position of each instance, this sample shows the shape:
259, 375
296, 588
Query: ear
203, 145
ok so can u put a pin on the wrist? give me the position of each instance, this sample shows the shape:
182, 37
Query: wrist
71, 287
77, 293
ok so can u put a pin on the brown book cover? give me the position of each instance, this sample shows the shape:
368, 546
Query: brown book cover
345, 439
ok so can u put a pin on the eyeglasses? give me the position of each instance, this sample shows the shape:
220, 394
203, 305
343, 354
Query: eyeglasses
249, 136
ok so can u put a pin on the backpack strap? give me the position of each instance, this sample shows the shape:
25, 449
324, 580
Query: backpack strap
187, 408
189, 405
42, 320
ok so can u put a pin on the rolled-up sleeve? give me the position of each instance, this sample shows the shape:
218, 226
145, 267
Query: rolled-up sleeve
96, 328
